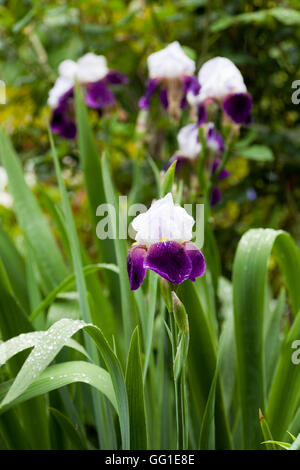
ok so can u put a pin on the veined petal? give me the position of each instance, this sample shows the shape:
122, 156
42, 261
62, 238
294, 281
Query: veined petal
238, 107
170, 260
197, 259
135, 266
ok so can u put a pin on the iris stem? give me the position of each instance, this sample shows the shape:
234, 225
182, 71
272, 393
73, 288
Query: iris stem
179, 387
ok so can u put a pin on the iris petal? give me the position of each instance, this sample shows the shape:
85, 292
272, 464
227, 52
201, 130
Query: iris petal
98, 95
135, 266
170, 260
238, 107
144, 102
197, 259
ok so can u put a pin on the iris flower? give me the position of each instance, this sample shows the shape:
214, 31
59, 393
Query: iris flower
172, 72
163, 235
91, 72
221, 81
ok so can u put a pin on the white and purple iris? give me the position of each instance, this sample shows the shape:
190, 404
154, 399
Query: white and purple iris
91, 72
189, 148
163, 235
172, 72
221, 81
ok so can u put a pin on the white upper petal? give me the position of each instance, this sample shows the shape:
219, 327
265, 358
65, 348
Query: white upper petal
170, 62
68, 69
188, 142
61, 86
163, 220
218, 77
91, 68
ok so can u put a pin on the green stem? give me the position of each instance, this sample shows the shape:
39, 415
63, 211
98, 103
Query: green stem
179, 398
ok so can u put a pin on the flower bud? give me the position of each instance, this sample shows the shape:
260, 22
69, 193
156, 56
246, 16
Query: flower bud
180, 314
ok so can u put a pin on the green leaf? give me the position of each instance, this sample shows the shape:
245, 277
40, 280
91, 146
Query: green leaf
67, 283
46, 350
128, 306
266, 432
249, 281
14, 267
68, 428
168, 180
90, 162
208, 427
60, 375
202, 362
296, 444
24, 341
287, 16
31, 219
135, 391
257, 152
13, 321
105, 440
284, 393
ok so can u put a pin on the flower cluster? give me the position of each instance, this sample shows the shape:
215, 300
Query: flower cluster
92, 73
163, 235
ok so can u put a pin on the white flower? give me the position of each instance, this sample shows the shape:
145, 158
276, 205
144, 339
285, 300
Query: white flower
163, 221
219, 77
61, 86
68, 69
170, 62
91, 68
189, 145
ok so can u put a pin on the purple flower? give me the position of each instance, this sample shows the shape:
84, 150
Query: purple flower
221, 81
238, 107
171, 70
92, 74
163, 236
189, 146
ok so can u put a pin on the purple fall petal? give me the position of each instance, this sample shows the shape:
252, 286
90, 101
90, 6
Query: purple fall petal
144, 102
238, 107
116, 78
216, 196
170, 260
98, 95
201, 115
61, 123
135, 266
197, 259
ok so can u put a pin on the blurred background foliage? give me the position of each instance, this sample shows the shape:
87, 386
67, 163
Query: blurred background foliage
261, 37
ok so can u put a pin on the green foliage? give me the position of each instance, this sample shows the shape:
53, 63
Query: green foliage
85, 362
